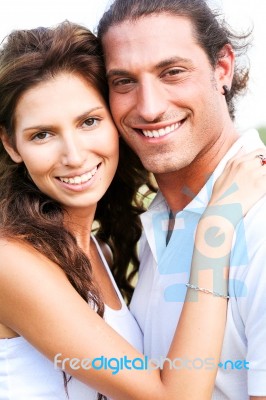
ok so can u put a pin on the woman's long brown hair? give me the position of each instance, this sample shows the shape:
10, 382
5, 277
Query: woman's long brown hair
27, 58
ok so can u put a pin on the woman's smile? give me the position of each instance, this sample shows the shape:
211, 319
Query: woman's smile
70, 149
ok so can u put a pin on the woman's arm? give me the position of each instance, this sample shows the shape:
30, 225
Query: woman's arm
200, 330
38, 302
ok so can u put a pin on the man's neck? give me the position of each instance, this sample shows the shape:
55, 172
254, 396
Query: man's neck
180, 187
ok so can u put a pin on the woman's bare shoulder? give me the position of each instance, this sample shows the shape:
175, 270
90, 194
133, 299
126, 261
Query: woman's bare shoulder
16, 252
22, 265
13, 252
8, 245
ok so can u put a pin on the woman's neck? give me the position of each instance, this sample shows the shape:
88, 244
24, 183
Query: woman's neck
79, 223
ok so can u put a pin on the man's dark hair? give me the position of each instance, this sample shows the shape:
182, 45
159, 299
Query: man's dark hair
210, 30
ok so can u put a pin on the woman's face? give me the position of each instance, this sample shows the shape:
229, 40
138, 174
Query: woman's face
67, 140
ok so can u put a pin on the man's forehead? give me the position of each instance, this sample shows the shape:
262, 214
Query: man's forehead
149, 41
129, 29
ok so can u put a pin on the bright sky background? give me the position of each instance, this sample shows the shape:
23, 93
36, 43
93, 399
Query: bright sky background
18, 14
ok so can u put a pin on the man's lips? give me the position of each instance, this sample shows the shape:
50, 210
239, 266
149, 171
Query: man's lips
155, 133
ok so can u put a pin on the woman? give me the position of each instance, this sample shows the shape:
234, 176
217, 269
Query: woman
58, 157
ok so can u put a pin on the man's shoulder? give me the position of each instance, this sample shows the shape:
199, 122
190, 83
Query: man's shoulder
254, 228
257, 214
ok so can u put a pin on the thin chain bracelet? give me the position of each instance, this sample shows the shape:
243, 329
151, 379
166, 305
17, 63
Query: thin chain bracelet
199, 289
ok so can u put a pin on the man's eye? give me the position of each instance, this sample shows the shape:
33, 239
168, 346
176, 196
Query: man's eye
122, 81
173, 72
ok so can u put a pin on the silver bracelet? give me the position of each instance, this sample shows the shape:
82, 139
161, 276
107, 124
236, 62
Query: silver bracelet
189, 285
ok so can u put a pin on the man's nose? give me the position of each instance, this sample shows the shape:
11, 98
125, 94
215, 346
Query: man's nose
151, 100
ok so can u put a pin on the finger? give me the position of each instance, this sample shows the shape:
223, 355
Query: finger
248, 162
262, 159
243, 156
259, 152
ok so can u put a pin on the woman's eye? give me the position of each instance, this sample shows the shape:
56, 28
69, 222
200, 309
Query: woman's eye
41, 136
91, 122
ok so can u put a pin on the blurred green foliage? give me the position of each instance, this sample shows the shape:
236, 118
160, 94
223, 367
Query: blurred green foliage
262, 132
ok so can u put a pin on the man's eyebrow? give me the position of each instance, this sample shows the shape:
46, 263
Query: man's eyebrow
161, 64
117, 72
172, 60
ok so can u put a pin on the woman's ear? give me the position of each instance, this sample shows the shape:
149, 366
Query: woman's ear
15, 156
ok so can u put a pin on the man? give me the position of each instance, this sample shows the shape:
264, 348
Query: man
172, 79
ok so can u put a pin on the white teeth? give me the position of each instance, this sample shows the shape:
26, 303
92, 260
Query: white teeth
84, 178
93, 172
77, 180
162, 131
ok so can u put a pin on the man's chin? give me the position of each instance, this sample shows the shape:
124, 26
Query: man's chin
161, 169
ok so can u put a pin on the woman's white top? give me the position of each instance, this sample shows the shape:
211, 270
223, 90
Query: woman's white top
25, 374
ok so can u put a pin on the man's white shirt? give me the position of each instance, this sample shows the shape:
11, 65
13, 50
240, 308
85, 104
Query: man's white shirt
164, 271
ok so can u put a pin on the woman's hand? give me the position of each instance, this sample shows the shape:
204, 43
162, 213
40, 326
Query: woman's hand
243, 181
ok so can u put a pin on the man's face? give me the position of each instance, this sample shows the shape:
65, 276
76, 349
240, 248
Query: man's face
166, 98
